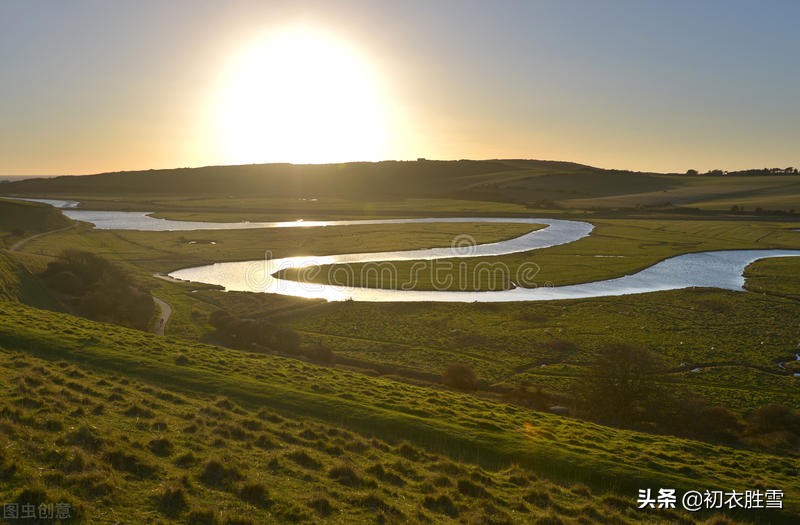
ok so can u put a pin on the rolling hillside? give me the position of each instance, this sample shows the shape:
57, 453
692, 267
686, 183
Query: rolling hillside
531, 183
158, 427
21, 218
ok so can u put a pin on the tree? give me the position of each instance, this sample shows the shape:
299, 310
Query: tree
96, 288
691, 172
618, 388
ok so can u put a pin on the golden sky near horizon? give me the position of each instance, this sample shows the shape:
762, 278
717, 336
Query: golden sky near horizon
98, 86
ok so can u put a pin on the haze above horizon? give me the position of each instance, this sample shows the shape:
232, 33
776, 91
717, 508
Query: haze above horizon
95, 86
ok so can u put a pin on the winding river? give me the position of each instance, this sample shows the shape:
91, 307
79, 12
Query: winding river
716, 269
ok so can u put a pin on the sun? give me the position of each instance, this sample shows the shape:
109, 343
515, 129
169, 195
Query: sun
301, 95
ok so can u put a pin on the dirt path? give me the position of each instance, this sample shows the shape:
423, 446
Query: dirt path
165, 311
19, 244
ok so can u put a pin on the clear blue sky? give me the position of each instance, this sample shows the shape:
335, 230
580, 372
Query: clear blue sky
90, 86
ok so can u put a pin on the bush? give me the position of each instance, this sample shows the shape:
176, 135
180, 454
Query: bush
172, 501
161, 447
129, 463
96, 288
460, 376
217, 475
384, 475
85, 438
252, 334
255, 494
618, 388
774, 418
186, 460
345, 475
304, 460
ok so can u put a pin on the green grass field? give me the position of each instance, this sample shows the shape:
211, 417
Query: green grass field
128, 426
135, 418
506, 344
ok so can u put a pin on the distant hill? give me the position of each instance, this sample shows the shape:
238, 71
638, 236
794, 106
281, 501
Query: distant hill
359, 179
533, 183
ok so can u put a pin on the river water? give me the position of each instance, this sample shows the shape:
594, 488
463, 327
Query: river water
716, 269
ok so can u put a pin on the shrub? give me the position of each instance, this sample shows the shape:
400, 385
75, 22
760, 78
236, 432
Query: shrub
255, 494
161, 447
98, 289
384, 475
618, 388
345, 475
85, 438
129, 463
460, 376
185, 460
172, 501
304, 460
251, 333
217, 475
774, 418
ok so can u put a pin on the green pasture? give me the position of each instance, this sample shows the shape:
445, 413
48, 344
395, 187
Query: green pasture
134, 415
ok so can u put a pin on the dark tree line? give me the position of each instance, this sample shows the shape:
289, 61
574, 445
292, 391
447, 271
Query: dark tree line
91, 286
253, 334
748, 173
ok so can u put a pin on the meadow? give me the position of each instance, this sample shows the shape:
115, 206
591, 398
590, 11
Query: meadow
126, 425
546, 345
144, 427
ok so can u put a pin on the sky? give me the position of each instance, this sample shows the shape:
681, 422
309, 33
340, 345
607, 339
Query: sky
95, 86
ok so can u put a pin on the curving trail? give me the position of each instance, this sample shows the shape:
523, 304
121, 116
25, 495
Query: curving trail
19, 244
164, 313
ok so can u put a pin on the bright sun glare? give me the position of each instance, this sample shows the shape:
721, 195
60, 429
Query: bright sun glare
301, 95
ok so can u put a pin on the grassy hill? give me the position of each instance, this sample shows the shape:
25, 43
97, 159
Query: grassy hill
493, 180
19, 219
531, 183
122, 423
352, 179
128, 426
17, 284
